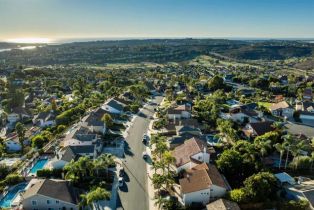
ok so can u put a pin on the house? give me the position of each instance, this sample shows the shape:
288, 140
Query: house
281, 109
94, 121
65, 155
246, 92
258, 128
173, 127
242, 114
283, 79
187, 129
48, 194
12, 145
303, 189
201, 184
284, 179
228, 77
45, 119
306, 110
18, 113
222, 204
308, 94
191, 153
113, 106
180, 112
82, 136
175, 141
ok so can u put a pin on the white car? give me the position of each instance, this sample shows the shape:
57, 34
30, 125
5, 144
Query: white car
121, 181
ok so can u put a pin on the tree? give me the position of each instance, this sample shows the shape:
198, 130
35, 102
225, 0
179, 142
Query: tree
263, 146
107, 119
168, 159
160, 148
238, 195
296, 151
77, 171
226, 129
260, 186
230, 163
20, 130
288, 142
38, 141
216, 83
104, 161
93, 196
280, 148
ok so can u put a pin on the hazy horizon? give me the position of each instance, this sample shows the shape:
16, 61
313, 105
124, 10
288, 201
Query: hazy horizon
58, 20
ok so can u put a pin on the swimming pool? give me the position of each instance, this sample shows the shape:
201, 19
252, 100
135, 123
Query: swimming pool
6, 201
38, 165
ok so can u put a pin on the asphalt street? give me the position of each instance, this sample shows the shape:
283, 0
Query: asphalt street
133, 195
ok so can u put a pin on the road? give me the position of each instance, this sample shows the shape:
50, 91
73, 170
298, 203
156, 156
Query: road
133, 195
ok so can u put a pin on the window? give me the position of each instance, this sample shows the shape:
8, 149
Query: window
50, 209
48, 201
34, 203
57, 201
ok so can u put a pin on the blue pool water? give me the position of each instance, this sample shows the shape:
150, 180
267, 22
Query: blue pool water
38, 165
6, 201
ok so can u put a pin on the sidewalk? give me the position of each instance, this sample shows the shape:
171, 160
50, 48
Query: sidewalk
150, 188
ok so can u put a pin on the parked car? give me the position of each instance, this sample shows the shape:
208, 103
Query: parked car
145, 155
145, 139
121, 181
121, 172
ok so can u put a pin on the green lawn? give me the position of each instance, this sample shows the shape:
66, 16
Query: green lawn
265, 104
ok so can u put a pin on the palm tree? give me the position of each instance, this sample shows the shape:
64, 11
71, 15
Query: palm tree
296, 151
168, 159
280, 148
159, 165
263, 146
160, 148
158, 180
288, 142
160, 201
104, 161
20, 130
93, 196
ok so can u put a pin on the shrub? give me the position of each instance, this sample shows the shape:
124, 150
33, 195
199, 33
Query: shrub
13, 179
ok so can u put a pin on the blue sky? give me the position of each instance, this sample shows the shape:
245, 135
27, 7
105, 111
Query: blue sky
156, 18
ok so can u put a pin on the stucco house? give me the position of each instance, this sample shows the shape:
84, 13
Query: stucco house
257, 128
113, 106
241, 114
48, 194
45, 119
281, 109
191, 153
179, 112
17, 114
201, 184
94, 122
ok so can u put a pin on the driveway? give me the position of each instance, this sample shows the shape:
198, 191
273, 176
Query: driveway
133, 195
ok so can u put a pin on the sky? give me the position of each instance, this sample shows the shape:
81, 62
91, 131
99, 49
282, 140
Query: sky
57, 19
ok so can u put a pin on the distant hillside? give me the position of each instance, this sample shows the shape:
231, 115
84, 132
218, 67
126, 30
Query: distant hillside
156, 50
